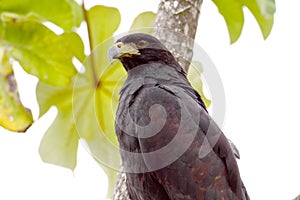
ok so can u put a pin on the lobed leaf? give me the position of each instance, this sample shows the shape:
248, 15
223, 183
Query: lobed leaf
40, 51
13, 115
89, 102
232, 11
94, 108
64, 13
85, 111
87, 105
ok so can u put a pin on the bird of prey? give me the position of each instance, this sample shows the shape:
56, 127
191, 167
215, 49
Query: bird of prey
170, 147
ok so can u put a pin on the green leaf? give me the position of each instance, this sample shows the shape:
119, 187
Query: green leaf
13, 115
263, 13
40, 51
50, 95
1, 29
90, 107
233, 15
60, 142
64, 13
103, 22
194, 76
91, 98
144, 22
232, 11
87, 101
87, 110
94, 108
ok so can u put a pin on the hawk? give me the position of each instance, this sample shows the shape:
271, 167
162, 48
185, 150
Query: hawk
170, 147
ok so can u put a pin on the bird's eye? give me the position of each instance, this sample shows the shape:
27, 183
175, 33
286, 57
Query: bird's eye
141, 44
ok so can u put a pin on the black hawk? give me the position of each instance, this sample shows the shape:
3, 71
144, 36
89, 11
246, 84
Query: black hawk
170, 146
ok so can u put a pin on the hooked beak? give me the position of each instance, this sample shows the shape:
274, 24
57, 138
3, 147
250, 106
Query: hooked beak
120, 50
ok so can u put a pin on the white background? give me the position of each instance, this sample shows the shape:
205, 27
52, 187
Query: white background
261, 81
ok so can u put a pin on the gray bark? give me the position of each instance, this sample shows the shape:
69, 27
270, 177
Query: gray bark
297, 198
175, 26
120, 191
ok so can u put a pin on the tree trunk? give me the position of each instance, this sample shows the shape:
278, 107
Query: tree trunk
297, 198
175, 26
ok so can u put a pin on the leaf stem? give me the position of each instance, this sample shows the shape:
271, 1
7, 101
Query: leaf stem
92, 60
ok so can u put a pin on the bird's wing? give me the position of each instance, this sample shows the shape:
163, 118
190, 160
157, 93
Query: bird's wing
182, 147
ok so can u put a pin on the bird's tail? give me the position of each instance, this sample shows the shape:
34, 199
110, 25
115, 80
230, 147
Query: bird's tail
245, 192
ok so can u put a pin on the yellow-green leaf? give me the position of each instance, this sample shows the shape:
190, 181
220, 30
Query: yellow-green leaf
94, 109
91, 97
64, 13
232, 11
49, 95
263, 13
144, 23
90, 107
194, 76
13, 115
103, 22
40, 51
60, 142
1, 29
233, 15
86, 102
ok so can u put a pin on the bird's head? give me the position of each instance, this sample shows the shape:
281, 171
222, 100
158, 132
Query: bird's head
138, 49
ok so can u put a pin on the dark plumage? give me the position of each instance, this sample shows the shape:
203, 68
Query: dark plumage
180, 153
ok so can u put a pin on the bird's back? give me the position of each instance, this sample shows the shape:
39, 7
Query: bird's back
170, 147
